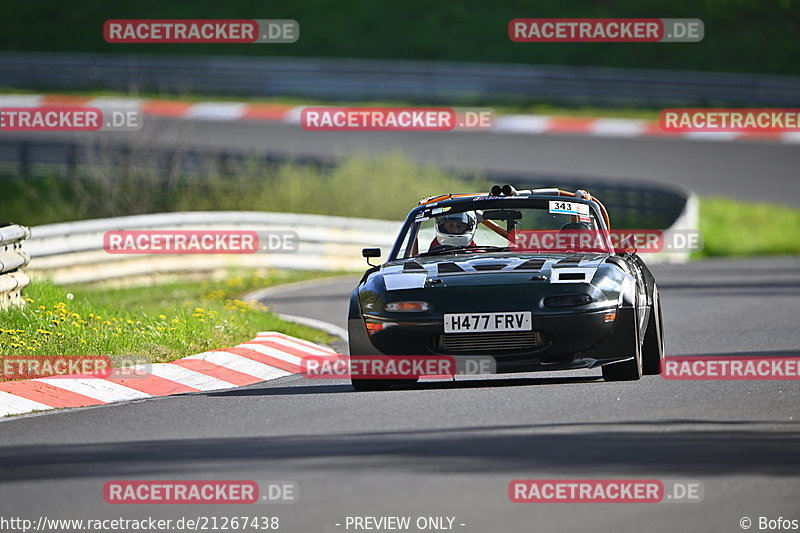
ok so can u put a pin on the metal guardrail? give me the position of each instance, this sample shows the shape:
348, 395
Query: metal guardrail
449, 83
73, 252
12, 260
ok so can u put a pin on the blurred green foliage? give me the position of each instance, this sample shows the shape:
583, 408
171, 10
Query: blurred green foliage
740, 35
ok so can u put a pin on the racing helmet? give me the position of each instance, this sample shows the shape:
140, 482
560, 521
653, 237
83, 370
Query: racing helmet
456, 229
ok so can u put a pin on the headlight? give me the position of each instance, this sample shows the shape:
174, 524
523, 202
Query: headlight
567, 300
407, 307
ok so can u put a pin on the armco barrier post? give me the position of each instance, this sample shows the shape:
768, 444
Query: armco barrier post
12, 260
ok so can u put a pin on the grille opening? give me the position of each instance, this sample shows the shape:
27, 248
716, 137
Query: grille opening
490, 342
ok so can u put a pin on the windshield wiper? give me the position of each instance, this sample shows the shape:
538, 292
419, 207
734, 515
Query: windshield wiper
447, 249
489, 248
441, 249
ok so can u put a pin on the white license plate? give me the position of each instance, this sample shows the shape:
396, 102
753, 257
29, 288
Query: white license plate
481, 322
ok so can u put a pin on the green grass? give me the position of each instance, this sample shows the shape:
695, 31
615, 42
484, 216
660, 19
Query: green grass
159, 323
734, 228
383, 188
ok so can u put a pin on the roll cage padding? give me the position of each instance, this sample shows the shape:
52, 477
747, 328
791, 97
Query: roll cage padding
580, 193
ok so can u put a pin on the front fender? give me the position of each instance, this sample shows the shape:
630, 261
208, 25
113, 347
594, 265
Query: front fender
358, 342
628, 291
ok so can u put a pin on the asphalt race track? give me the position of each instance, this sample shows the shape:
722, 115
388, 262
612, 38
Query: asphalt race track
451, 448
756, 170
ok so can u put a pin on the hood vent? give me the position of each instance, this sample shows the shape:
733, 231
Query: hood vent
572, 260
413, 266
449, 268
480, 267
531, 264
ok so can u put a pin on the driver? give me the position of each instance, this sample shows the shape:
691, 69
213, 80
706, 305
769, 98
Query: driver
457, 229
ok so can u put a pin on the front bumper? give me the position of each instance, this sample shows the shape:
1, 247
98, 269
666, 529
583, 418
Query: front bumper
570, 340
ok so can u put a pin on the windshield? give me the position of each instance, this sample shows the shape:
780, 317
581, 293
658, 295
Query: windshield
514, 225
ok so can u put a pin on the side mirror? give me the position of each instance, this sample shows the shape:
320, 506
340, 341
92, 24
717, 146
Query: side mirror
370, 252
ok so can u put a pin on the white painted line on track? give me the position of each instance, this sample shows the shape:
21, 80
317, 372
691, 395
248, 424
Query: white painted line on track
99, 389
242, 364
11, 404
184, 376
327, 327
273, 352
216, 111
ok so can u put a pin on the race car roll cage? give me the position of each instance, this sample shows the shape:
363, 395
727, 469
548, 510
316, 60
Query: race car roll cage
508, 191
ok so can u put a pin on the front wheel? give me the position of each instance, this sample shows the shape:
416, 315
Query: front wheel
371, 384
625, 371
630, 370
653, 346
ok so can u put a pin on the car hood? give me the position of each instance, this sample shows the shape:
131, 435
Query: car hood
490, 269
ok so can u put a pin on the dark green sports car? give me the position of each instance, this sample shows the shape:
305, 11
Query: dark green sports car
526, 278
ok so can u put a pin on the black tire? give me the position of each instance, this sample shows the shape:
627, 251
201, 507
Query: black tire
409, 381
627, 370
365, 385
653, 345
